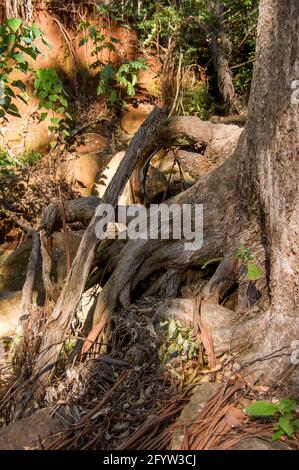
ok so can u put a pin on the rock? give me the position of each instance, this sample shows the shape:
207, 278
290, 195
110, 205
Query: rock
134, 117
156, 183
92, 143
148, 79
38, 137
30, 432
202, 393
179, 309
256, 443
81, 168
14, 267
10, 311
85, 161
219, 320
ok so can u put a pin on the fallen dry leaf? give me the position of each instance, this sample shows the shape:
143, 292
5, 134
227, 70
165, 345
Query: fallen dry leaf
234, 416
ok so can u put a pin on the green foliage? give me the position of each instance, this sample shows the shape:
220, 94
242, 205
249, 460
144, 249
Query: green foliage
254, 272
29, 158
16, 47
287, 422
182, 24
198, 101
262, 408
52, 96
180, 342
239, 22
8, 162
113, 81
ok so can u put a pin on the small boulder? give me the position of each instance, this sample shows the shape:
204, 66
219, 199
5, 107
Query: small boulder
257, 443
134, 117
201, 394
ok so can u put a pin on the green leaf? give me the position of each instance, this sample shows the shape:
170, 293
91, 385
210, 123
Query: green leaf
277, 435
68, 115
9, 39
19, 84
22, 66
83, 41
29, 51
24, 98
115, 40
296, 423
48, 104
254, 272
53, 145
36, 83
262, 408
10, 92
42, 95
14, 24
286, 425
63, 101
36, 30
55, 121
13, 111
107, 73
130, 89
53, 98
113, 96
92, 31
19, 57
286, 406
58, 87
172, 329
42, 117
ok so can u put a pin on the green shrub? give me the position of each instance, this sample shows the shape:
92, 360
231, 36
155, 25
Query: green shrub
198, 101
30, 157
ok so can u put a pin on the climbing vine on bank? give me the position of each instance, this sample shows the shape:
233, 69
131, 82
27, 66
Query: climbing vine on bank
17, 46
113, 81
53, 97
17, 51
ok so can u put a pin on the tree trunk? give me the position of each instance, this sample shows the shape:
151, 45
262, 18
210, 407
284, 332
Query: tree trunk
252, 199
218, 45
269, 179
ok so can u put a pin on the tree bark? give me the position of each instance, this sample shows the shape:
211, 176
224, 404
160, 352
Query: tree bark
268, 183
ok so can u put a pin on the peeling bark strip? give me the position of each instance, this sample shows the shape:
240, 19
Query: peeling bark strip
60, 320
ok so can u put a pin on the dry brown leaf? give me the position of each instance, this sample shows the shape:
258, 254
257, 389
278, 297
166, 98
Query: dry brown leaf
234, 416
